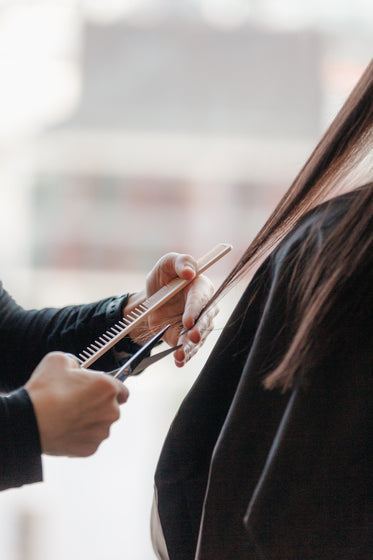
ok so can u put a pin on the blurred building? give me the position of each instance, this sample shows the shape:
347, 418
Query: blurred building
185, 136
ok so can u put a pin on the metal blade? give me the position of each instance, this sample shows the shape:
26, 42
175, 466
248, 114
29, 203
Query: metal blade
146, 362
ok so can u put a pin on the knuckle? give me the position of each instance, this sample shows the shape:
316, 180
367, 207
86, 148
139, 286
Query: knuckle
55, 358
86, 450
186, 260
92, 448
103, 384
115, 414
105, 432
165, 262
207, 283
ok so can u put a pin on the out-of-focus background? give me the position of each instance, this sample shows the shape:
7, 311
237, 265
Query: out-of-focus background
130, 128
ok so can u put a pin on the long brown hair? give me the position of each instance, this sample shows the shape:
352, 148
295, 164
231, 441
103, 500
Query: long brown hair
340, 152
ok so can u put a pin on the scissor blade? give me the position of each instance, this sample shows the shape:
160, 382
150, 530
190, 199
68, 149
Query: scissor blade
146, 362
136, 360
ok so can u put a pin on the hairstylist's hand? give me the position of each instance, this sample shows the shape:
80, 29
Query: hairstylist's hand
74, 407
182, 310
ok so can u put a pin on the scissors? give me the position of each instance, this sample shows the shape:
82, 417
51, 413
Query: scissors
142, 358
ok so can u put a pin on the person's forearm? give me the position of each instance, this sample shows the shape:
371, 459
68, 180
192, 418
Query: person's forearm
20, 452
26, 336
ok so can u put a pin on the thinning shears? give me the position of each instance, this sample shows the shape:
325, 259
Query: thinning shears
142, 358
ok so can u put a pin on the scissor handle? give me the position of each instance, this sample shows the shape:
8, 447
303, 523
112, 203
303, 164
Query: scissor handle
123, 327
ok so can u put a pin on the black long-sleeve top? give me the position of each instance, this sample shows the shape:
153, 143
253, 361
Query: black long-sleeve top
253, 474
25, 337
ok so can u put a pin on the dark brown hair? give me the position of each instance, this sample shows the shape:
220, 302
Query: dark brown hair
340, 153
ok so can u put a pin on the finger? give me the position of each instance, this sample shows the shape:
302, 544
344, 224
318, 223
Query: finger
170, 266
189, 350
185, 267
161, 273
194, 339
204, 326
198, 294
174, 265
194, 334
122, 392
180, 357
73, 359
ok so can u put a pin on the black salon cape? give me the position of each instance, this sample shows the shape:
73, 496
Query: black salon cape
25, 337
253, 474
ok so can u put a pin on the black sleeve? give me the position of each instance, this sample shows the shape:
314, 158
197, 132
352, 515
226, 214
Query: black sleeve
20, 452
25, 337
